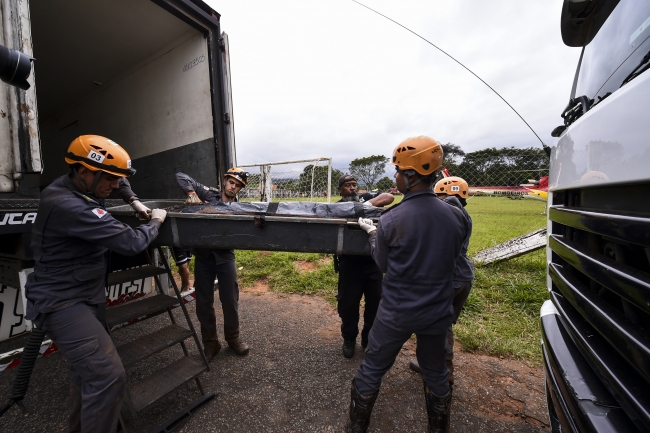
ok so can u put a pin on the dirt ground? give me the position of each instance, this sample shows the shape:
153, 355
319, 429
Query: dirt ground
296, 380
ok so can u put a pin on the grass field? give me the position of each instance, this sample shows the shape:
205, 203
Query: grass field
501, 314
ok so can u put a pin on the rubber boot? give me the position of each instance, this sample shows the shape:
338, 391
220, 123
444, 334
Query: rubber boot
360, 410
238, 346
211, 348
438, 410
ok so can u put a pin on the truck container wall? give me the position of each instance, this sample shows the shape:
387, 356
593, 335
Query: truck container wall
20, 155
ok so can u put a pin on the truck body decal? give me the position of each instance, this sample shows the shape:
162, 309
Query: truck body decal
17, 218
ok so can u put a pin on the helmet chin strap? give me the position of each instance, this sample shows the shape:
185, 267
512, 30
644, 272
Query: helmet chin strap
93, 186
408, 183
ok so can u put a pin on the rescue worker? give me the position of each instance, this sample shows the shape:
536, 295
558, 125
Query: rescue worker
454, 191
66, 296
209, 264
358, 276
416, 244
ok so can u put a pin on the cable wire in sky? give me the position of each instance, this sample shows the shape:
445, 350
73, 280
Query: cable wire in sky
452, 58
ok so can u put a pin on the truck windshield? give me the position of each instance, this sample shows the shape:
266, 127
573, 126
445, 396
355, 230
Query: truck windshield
616, 50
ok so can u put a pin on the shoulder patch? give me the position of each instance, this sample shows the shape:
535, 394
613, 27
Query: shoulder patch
99, 212
206, 188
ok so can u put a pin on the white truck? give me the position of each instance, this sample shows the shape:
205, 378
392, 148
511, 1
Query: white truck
596, 325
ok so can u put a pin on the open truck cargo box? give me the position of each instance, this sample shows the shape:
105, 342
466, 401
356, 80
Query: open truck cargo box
252, 232
152, 76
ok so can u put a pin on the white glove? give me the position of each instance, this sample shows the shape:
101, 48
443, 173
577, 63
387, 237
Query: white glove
140, 210
367, 225
192, 199
159, 214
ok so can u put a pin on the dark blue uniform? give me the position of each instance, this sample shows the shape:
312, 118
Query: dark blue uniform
462, 281
70, 241
358, 276
208, 265
416, 245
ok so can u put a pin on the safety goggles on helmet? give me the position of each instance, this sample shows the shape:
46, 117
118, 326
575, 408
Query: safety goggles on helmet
239, 174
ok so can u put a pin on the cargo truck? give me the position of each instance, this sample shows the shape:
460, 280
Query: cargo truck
596, 325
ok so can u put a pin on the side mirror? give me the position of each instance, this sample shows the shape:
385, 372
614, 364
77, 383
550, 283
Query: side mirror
15, 67
558, 131
581, 20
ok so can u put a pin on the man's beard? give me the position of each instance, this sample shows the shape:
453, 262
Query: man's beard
354, 196
230, 194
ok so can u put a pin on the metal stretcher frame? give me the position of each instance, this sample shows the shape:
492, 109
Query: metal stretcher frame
252, 232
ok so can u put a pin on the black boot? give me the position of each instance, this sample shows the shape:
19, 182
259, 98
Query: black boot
360, 410
438, 410
348, 348
238, 346
211, 348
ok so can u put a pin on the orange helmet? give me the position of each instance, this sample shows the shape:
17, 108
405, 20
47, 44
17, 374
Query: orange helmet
421, 154
99, 153
452, 185
238, 173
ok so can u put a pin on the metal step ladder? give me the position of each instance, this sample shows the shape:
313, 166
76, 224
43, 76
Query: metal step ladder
148, 390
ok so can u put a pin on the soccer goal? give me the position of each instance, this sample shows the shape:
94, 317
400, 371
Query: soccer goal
295, 180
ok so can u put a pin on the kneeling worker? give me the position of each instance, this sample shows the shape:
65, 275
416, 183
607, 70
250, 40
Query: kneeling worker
454, 191
66, 295
217, 263
358, 276
416, 244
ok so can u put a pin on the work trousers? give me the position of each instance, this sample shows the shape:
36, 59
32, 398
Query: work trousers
97, 378
383, 347
355, 282
461, 292
206, 268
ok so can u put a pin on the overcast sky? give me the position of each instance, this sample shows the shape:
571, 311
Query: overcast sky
331, 78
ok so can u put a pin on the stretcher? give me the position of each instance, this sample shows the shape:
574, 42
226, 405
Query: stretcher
260, 226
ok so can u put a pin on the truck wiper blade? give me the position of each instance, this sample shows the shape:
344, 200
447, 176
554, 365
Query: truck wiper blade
638, 70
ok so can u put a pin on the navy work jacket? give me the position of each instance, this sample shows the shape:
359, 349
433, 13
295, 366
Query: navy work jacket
70, 238
464, 266
416, 244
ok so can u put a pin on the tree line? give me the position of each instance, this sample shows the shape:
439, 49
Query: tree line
506, 166
491, 166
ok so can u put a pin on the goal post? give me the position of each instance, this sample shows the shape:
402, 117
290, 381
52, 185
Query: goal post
292, 180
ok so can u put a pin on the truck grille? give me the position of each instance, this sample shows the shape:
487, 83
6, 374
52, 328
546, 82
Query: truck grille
18, 203
600, 284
